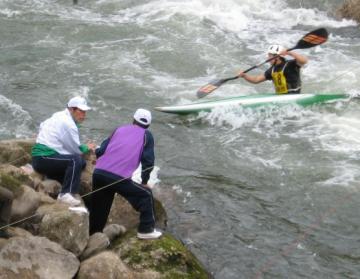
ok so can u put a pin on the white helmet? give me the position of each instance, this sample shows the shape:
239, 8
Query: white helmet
275, 49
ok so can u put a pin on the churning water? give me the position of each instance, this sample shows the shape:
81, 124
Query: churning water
265, 193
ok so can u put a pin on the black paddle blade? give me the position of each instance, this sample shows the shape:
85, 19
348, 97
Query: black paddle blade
313, 38
210, 87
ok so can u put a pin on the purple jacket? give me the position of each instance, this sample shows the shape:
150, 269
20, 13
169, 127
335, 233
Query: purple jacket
123, 152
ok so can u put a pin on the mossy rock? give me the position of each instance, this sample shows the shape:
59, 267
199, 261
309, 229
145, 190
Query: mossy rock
11, 183
15, 152
165, 255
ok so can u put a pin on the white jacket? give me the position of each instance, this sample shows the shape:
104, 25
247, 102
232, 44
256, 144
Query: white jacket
60, 132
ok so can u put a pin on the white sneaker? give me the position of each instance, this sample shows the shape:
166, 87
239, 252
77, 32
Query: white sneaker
69, 199
152, 235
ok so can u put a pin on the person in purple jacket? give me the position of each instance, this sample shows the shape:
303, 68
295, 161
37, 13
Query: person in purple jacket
117, 158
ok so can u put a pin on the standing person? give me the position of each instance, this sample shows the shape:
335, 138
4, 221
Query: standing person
6, 198
58, 152
118, 157
284, 73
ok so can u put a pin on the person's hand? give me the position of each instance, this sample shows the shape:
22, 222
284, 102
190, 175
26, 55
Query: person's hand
92, 146
284, 52
241, 74
147, 186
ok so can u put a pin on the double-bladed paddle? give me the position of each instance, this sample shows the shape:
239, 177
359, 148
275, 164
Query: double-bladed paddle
311, 39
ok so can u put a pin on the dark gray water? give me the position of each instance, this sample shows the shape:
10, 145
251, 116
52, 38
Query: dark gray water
266, 193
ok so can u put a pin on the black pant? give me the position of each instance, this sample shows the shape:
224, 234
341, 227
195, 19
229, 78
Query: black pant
64, 168
138, 196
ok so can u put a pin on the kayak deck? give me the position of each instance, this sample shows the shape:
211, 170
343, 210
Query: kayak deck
252, 101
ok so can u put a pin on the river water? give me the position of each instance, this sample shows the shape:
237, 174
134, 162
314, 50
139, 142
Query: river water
265, 193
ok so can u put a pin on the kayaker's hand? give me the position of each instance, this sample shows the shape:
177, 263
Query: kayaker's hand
241, 74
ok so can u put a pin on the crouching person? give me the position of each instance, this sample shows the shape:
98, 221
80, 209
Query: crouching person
118, 157
58, 152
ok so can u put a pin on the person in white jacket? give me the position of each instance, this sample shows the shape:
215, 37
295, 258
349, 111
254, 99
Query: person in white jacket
58, 152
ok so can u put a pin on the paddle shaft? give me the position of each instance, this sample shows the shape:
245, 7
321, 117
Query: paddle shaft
258, 65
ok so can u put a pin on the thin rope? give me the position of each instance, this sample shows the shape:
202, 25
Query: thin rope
87, 194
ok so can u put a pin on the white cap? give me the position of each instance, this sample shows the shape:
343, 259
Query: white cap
143, 116
78, 102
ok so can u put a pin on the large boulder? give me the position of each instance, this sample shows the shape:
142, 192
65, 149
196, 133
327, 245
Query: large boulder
105, 265
165, 255
36, 257
63, 225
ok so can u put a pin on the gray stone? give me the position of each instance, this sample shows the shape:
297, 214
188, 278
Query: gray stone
25, 205
105, 265
68, 228
114, 230
98, 242
36, 257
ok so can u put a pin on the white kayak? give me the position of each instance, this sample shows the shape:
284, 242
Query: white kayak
252, 101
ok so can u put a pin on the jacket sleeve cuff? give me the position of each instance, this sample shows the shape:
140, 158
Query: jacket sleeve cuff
84, 148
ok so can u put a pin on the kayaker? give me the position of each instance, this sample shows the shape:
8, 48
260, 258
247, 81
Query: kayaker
284, 73
58, 152
117, 158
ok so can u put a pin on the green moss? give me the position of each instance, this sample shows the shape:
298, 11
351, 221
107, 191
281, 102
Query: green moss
165, 255
5, 157
11, 184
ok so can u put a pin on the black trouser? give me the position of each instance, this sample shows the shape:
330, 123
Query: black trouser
6, 198
64, 168
138, 196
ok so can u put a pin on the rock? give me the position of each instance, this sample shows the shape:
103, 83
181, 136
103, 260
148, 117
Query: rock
50, 187
36, 257
18, 174
350, 9
105, 265
122, 213
17, 231
98, 242
25, 205
68, 228
15, 152
86, 175
165, 255
114, 230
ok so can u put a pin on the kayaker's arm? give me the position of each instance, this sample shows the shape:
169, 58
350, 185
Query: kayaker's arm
252, 78
301, 60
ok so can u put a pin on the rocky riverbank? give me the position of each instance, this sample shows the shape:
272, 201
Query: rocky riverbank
350, 9
48, 239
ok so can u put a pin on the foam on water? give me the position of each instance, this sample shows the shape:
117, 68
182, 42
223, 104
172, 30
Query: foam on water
15, 121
